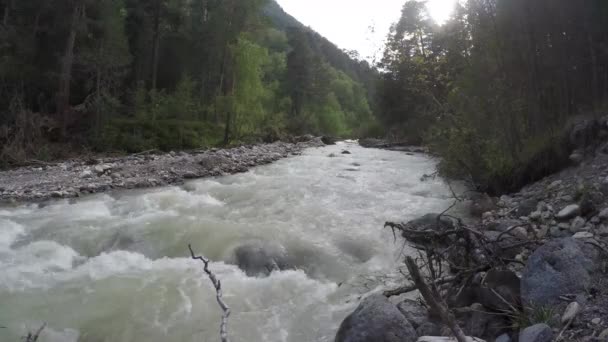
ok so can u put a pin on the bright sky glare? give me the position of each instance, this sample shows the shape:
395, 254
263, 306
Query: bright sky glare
357, 24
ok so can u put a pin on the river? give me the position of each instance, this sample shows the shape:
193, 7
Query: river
115, 267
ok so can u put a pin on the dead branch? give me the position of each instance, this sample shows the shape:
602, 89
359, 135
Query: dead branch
34, 337
218, 289
414, 287
435, 303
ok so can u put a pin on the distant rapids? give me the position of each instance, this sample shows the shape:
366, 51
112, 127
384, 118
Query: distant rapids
115, 267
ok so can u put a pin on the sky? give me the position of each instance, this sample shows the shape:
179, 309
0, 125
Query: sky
360, 25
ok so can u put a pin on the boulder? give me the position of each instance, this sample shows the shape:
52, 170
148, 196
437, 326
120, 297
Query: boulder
557, 268
414, 312
376, 319
327, 140
536, 333
346, 152
257, 259
429, 222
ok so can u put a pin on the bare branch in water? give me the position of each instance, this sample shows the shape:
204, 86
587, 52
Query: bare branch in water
34, 337
218, 290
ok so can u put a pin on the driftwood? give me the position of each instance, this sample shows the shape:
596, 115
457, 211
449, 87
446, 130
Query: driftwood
34, 337
218, 289
435, 302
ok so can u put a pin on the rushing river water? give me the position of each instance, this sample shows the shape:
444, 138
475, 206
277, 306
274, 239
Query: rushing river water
115, 267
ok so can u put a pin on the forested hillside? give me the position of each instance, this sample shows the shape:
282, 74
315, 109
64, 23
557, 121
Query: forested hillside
493, 89
132, 75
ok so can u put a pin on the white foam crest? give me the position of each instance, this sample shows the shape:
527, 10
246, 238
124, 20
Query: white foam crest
9, 232
35, 265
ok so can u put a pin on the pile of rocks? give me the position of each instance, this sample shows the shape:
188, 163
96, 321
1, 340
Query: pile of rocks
78, 177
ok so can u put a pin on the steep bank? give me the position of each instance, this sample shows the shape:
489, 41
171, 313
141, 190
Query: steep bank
74, 178
540, 272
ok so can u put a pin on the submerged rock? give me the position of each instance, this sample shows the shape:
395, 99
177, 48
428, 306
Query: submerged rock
259, 260
376, 319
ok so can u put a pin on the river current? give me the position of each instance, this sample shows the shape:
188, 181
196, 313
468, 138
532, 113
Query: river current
115, 267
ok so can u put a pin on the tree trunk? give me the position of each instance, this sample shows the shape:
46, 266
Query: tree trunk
156, 44
65, 77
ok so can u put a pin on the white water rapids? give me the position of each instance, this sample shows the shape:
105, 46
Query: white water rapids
115, 267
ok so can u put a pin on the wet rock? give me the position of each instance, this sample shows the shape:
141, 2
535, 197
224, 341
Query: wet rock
327, 140
596, 321
568, 212
376, 319
536, 333
558, 267
346, 152
257, 259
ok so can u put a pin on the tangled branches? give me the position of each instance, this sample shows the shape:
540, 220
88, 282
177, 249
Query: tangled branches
218, 289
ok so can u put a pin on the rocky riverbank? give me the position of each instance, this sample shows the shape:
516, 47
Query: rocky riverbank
74, 178
546, 281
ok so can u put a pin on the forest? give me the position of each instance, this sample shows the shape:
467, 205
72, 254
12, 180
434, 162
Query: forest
493, 90
135, 75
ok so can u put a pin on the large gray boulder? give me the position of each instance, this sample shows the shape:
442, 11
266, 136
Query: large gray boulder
536, 333
557, 268
258, 259
376, 320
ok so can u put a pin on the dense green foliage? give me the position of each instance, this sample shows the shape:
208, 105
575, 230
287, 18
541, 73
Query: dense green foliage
133, 75
492, 90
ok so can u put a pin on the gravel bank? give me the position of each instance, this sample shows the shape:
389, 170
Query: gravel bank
74, 178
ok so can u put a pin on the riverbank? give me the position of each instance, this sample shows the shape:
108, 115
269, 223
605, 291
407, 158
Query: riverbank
540, 271
77, 177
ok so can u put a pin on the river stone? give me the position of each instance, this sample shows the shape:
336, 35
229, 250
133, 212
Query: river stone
257, 259
557, 268
568, 212
536, 333
376, 319
577, 224
526, 207
571, 312
503, 338
603, 215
